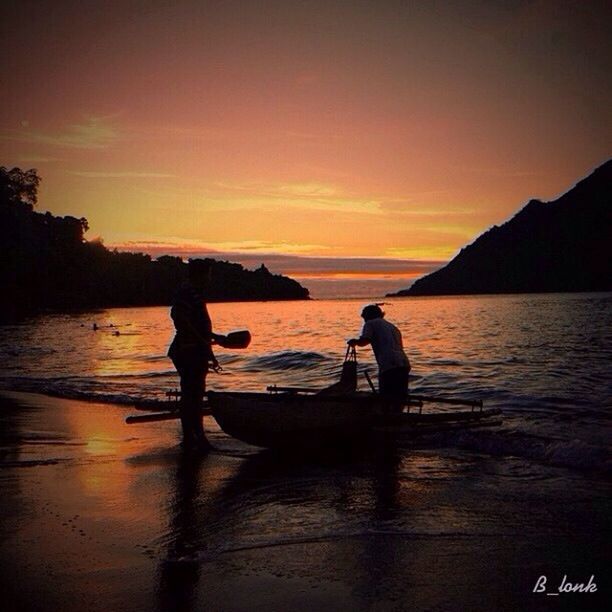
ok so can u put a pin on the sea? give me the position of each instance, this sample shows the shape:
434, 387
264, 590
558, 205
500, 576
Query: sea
544, 360
458, 520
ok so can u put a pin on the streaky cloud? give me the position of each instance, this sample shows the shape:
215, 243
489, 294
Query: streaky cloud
89, 174
292, 264
94, 133
37, 159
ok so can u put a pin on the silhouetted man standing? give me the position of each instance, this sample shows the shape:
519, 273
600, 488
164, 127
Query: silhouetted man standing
191, 351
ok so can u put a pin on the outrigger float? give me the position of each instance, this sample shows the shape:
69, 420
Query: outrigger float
297, 417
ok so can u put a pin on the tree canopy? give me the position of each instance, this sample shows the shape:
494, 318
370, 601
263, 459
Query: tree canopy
46, 263
19, 186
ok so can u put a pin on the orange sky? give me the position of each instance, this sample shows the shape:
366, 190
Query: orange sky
331, 129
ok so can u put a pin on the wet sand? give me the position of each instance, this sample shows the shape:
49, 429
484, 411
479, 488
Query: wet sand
98, 515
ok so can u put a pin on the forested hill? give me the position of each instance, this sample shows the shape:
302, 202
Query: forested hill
558, 246
46, 264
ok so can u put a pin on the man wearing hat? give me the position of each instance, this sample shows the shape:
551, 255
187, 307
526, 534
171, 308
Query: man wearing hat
393, 364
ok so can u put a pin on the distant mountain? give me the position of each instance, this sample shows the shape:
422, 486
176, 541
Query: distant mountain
564, 245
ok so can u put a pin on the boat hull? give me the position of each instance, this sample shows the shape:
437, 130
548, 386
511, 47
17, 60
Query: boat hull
296, 421
278, 420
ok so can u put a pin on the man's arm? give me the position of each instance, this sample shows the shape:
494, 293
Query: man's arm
361, 341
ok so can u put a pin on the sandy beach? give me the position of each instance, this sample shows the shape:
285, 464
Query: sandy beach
97, 515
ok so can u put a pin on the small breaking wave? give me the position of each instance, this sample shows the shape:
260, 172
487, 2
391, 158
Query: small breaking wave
286, 360
25, 463
85, 390
212, 553
570, 453
162, 374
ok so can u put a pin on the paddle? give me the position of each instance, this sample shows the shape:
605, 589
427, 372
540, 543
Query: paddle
234, 340
159, 416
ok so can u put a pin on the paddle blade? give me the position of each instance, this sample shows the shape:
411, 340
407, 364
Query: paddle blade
235, 340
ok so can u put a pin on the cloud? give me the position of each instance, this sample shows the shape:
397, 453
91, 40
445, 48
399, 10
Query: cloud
316, 195
497, 172
308, 190
407, 209
279, 190
253, 254
441, 253
93, 133
37, 159
327, 196
88, 174
223, 195
197, 248
265, 246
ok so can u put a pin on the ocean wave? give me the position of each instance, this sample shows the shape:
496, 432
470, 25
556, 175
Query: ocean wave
12, 352
510, 440
142, 375
570, 453
90, 391
212, 552
154, 358
25, 463
286, 360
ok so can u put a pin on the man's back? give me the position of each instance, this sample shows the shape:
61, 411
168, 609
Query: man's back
387, 344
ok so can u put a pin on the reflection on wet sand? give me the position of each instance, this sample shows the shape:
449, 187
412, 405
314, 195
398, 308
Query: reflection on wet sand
98, 517
177, 581
281, 505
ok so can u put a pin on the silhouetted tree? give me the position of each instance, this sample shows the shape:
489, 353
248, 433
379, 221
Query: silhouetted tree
19, 186
46, 263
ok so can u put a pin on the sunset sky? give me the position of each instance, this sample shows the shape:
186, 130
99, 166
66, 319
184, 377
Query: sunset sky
355, 139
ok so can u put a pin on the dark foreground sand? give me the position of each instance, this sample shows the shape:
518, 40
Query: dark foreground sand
96, 515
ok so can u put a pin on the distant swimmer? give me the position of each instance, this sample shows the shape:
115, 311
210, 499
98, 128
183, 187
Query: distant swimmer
94, 327
393, 364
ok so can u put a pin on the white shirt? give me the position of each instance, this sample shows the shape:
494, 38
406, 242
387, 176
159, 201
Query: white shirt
387, 344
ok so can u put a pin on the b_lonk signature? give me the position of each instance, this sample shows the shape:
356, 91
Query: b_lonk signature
566, 586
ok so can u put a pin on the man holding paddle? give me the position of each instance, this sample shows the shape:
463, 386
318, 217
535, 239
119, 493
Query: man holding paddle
191, 351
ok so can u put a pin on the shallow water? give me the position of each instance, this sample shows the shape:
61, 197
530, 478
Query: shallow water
96, 515
543, 359
105, 515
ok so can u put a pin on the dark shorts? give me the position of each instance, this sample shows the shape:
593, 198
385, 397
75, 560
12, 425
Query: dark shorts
393, 384
192, 368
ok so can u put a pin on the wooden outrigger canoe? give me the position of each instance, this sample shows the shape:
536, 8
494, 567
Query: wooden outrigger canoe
296, 418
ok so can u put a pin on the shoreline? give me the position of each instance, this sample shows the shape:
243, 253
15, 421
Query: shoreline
98, 515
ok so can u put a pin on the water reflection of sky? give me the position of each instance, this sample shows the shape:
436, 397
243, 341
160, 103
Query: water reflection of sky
531, 355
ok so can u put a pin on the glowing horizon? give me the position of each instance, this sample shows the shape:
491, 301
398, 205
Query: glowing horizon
317, 130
